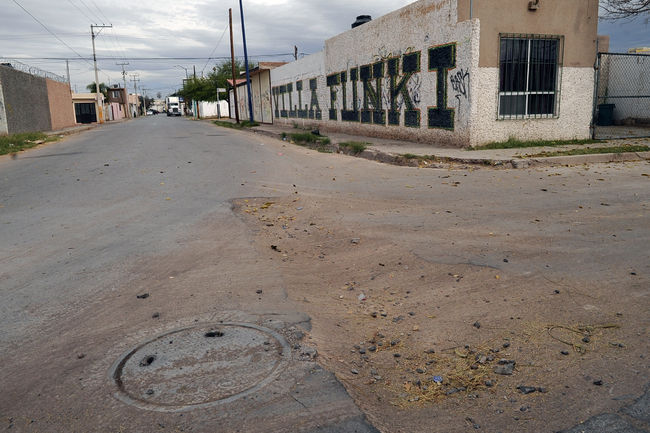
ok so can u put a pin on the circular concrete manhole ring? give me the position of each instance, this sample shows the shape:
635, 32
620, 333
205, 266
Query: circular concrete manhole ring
200, 366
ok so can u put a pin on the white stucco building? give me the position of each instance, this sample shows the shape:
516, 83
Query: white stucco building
454, 72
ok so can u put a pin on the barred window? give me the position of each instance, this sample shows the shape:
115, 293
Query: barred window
529, 69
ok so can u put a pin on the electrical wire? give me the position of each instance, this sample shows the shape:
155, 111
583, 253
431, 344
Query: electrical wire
91, 12
100, 11
81, 11
215, 48
50, 31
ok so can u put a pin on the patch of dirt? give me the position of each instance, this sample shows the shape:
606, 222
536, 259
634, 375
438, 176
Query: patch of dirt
424, 346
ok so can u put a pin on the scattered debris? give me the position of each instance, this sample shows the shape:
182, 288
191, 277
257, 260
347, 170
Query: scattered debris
143, 296
505, 368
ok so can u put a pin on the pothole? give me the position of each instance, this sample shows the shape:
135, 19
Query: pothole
200, 366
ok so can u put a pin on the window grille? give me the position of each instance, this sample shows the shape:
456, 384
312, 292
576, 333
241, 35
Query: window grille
529, 76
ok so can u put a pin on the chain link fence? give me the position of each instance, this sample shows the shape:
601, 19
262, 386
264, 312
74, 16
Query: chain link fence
622, 103
32, 70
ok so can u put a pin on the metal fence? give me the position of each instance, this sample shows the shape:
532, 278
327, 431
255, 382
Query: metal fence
32, 70
622, 103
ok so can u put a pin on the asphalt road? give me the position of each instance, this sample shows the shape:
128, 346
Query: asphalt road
153, 207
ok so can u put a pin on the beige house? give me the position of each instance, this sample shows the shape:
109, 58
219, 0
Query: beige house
456, 72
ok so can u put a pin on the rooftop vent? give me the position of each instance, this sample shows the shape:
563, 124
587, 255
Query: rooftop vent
361, 19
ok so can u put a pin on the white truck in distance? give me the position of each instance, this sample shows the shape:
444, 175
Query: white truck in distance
173, 106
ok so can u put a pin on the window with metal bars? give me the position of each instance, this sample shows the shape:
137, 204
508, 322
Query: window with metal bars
529, 70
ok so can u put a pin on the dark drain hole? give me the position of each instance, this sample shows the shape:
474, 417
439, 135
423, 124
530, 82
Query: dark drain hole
213, 334
147, 361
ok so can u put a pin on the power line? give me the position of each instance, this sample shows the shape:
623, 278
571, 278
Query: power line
166, 58
214, 49
100, 11
81, 11
89, 10
49, 31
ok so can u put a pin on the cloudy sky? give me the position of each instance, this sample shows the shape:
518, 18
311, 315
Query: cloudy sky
147, 29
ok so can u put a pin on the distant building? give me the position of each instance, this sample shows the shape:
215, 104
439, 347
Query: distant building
85, 107
260, 91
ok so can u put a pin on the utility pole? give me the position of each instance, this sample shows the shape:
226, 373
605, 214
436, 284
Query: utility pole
135, 89
100, 108
248, 74
67, 69
126, 92
232, 63
144, 98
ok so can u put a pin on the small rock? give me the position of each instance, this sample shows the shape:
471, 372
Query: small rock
394, 342
372, 348
557, 292
259, 291
586, 340
355, 240
81, 356
354, 371
542, 389
474, 367
598, 382
155, 315
420, 371
374, 314
397, 355
564, 352
362, 351
477, 325
143, 296
527, 389
505, 260
430, 351
489, 383
150, 392
505, 367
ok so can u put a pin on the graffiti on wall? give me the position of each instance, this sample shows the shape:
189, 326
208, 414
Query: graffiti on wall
311, 110
386, 92
460, 84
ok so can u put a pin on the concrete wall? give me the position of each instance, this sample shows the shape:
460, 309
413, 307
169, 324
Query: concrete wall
572, 122
405, 75
60, 103
25, 101
209, 109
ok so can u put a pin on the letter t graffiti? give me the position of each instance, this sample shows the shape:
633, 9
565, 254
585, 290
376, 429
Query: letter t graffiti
441, 59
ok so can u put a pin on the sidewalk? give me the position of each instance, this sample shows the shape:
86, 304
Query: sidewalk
418, 154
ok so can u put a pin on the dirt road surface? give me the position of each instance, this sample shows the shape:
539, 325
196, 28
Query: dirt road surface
443, 300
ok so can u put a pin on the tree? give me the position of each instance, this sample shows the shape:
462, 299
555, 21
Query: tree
621, 9
205, 88
102, 88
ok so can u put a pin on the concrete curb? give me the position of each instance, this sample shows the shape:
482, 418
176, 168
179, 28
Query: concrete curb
71, 131
438, 161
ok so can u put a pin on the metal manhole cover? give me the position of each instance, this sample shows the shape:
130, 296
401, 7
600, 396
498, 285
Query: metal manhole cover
200, 366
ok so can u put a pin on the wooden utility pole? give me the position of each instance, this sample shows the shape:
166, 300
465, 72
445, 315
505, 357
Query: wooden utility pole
232, 63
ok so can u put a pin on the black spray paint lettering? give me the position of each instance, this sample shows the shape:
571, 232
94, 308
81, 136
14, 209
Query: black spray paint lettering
460, 84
